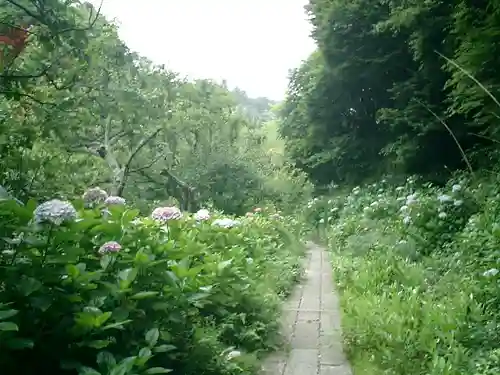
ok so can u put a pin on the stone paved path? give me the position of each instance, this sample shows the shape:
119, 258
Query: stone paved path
311, 325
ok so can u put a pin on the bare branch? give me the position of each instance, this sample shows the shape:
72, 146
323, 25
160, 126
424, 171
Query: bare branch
91, 22
126, 168
149, 165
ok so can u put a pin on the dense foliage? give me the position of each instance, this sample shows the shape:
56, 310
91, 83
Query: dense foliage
93, 288
119, 281
400, 88
418, 270
389, 83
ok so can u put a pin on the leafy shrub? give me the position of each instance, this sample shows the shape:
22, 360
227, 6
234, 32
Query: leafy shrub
418, 269
101, 290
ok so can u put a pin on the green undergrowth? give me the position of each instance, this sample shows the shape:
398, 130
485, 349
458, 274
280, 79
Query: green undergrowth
418, 271
103, 291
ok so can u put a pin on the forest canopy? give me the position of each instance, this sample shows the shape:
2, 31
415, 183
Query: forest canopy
395, 87
78, 108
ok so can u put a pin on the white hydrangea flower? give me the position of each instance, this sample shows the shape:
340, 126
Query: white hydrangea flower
94, 196
55, 211
442, 215
233, 354
202, 215
444, 198
491, 272
226, 223
410, 199
163, 214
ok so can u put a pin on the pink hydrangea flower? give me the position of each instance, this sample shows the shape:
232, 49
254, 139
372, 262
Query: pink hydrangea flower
163, 214
110, 247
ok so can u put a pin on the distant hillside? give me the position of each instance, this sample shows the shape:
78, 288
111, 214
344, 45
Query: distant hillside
256, 108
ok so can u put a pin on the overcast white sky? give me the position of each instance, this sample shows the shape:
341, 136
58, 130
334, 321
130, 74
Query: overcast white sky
250, 43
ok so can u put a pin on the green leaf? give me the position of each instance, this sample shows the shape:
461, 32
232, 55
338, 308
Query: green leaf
101, 319
157, 370
42, 303
31, 205
72, 270
7, 314
88, 371
129, 215
105, 261
124, 366
197, 296
117, 325
19, 344
144, 295
145, 353
223, 265
141, 258
106, 359
8, 327
127, 276
85, 320
111, 229
152, 336
28, 285
164, 348
172, 278
98, 344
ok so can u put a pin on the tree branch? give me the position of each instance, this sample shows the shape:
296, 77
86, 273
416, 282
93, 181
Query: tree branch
128, 163
27, 11
149, 165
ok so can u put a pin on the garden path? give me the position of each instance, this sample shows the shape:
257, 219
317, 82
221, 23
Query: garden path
311, 324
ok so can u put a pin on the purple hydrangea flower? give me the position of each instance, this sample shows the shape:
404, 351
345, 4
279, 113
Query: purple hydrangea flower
114, 200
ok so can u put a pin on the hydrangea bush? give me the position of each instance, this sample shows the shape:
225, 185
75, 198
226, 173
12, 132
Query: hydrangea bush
418, 267
93, 288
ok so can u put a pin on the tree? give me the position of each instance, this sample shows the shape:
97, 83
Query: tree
384, 93
80, 109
